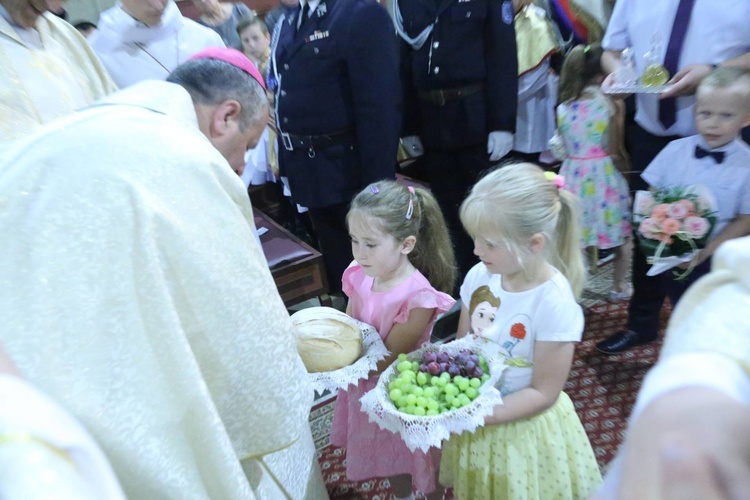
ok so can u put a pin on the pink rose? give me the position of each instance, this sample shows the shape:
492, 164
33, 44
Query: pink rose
648, 228
689, 205
670, 226
645, 204
696, 227
677, 210
659, 213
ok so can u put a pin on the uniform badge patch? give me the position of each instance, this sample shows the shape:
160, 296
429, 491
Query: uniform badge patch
507, 10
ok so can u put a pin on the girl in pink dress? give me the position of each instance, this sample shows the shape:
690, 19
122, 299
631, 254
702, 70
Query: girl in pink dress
400, 245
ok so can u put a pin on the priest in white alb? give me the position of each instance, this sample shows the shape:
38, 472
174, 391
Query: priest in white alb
146, 39
135, 294
47, 70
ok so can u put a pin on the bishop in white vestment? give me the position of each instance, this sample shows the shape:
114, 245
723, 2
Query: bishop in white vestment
134, 292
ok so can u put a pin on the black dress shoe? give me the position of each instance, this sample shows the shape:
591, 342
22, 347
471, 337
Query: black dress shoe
621, 342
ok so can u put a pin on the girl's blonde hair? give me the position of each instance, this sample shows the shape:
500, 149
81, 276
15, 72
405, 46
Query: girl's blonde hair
513, 203
389, 203
582, 64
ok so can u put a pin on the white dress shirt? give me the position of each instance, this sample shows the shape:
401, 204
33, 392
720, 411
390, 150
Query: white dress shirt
718, 31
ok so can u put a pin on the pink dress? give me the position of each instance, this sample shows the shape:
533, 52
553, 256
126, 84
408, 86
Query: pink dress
370, 451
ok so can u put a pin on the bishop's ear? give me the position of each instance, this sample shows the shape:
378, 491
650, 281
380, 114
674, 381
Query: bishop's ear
225, 117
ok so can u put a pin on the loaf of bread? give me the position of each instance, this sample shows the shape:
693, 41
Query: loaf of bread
327, 339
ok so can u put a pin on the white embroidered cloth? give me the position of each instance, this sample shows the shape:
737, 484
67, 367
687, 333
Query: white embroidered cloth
430, 431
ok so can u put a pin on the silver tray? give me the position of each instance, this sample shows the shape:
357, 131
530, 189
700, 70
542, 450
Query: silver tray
636, 89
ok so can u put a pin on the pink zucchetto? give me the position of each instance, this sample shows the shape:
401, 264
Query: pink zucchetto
233, 57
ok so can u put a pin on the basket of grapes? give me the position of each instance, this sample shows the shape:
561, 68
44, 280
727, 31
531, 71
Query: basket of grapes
429, 394
337, 350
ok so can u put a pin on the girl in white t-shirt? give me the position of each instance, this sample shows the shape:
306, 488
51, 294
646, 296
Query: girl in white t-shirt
526, 234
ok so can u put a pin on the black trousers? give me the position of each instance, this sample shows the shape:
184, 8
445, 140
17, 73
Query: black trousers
333, 237
452, 173
649, 292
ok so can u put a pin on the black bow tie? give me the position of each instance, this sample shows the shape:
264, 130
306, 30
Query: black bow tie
718, 156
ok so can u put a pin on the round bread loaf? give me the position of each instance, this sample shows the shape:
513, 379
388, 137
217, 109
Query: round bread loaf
327, 339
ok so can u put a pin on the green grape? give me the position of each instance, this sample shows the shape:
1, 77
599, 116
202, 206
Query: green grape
464, 399
463, 384
472, 393
475, 383
409, 375
456, 403
429, 392
421, 378
411, 399
422, 402
396, 394
403, 366
402, 357
434, 381
433, 405
417, 391
451, 389
402, 402
406, 387
410, 409
442, 382
419, 411
432, 413
445, 376
485, 377
450, 398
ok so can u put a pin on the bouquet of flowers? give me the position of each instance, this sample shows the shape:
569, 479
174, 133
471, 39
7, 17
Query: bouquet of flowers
673, 225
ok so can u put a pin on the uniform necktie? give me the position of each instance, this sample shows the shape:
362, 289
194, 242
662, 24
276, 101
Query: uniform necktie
668, 107
303, 15
718, 156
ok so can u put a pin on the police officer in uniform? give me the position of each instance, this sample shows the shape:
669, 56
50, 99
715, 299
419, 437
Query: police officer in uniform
335, 73
460, 81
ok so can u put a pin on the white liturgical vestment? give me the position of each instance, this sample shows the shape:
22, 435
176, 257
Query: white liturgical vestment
135, 294
39, 83
133, 52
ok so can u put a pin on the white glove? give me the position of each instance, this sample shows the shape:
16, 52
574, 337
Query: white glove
413, 146
498, 144
557, 147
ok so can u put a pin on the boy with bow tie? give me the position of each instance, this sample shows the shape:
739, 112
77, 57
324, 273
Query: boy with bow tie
717, 158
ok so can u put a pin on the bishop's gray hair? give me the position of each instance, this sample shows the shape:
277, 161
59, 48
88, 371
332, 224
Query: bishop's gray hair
211, 82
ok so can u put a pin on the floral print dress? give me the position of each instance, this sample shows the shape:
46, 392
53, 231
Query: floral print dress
590, 173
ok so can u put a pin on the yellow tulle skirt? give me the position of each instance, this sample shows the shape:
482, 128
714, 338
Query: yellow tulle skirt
544, 457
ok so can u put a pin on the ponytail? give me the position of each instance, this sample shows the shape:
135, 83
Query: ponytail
581, 66
433, 254
568, 258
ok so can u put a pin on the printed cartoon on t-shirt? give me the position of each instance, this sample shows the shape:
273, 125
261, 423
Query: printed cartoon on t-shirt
514, 338
482, 309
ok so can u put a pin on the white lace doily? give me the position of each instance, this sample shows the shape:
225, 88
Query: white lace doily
373, 351
426, 432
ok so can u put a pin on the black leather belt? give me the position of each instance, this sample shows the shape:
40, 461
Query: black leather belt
310, 143
441, 96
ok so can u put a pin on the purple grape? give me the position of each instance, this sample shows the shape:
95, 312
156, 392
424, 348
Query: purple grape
461, 359
434, 368
478, 372
471, 365
443, 357
443, 367
429, 357
474, 358
454, 370
423, 367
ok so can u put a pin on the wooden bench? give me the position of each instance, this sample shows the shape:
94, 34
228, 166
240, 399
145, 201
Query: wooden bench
296, 267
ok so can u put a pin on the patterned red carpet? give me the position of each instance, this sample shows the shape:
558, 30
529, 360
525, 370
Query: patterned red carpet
603, 389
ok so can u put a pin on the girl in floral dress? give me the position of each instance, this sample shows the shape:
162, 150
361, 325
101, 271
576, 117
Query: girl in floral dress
403, 258
590, 126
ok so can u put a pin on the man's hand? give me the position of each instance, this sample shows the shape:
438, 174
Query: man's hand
685, 81
609, 81
499, 143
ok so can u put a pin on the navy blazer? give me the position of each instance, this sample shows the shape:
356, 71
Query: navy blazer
338, 74
472, 42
